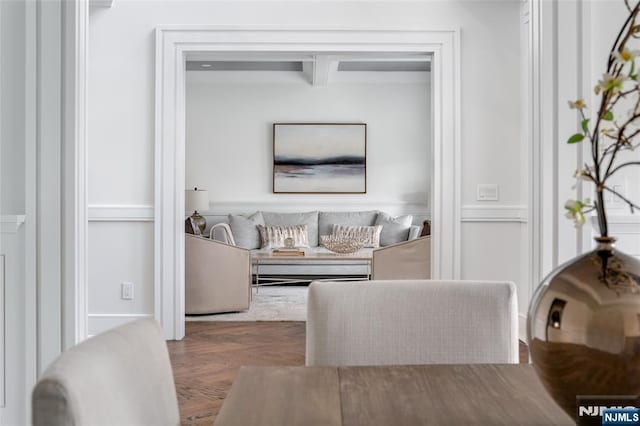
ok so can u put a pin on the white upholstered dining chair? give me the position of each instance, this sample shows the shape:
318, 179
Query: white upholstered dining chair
411, 322
121, 377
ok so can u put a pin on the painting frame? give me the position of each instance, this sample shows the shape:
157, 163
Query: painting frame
324, 172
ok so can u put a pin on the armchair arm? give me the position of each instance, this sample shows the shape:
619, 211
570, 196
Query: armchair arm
226, 231
217, 276
403, 261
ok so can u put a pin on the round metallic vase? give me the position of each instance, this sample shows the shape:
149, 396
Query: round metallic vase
584, 327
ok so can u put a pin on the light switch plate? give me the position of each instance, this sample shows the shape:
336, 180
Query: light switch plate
487, 192
127, 291
619, 188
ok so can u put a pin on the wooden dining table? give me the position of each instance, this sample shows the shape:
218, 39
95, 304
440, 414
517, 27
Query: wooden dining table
480, 394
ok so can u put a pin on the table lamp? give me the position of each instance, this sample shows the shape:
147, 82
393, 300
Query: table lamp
197, 199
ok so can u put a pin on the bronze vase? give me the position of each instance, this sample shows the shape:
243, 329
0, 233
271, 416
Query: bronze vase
584, 327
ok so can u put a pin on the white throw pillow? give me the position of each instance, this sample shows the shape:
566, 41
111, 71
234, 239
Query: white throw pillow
274, 236
394, 229
369, 234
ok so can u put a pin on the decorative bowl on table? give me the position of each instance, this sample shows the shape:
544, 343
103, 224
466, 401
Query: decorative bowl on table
341, 245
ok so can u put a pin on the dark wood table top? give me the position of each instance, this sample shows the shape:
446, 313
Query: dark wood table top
390, 395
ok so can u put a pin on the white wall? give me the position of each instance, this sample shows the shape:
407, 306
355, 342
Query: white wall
121, 127
229, 135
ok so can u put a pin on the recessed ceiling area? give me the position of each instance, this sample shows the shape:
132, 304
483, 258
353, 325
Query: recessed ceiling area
319, 68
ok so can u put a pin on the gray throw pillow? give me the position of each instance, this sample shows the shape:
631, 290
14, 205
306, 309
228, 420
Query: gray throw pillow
245, 230
394, 229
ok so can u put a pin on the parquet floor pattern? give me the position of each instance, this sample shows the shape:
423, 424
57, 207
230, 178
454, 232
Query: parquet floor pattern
206, 361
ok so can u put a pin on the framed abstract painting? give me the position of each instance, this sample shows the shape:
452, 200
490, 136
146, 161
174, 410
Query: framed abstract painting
320, 158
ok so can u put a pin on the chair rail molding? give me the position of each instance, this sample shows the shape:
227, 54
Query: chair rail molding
507, 213
174, 44
9, 224
120, 213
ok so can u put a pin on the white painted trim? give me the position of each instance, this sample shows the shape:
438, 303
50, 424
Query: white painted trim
31, 204
120, 315
533, 132
9, 224
624, 219
619, 225
120, 213
3, 335
478, 213
75, 187
175, 43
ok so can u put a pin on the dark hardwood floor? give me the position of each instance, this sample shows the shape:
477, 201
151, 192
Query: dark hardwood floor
206, 361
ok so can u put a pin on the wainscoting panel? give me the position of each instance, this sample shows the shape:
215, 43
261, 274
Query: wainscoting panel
494, 250
3, 347
103, 322
118, 252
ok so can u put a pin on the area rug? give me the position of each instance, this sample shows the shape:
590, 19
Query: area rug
272, 303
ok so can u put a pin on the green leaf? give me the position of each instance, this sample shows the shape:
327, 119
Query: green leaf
578, 137
608, 116
585, 125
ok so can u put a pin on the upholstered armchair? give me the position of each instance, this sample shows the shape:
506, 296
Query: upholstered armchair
217, 276
403, 261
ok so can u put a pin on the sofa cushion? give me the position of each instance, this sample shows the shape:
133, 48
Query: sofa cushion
288, 219
326, 220
394, 229
369, 234
274, 236
245, 230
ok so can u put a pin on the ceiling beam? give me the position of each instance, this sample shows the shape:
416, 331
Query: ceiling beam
323, 66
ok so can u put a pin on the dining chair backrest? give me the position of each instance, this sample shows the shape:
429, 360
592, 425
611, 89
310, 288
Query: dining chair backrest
120, 377
411, 322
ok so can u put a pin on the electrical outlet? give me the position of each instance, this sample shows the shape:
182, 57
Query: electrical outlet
127, 291
487, 192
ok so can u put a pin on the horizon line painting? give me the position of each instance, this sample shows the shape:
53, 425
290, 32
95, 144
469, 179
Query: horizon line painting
322, 158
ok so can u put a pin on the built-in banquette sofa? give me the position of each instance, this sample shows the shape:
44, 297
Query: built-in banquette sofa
403, 253
242, 231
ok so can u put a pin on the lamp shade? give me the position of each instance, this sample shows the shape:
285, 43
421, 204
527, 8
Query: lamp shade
197, 199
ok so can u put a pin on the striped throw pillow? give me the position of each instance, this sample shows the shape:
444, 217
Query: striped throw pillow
369, 234
274, 236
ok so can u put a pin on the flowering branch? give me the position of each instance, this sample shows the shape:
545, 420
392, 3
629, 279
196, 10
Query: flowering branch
620, 81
